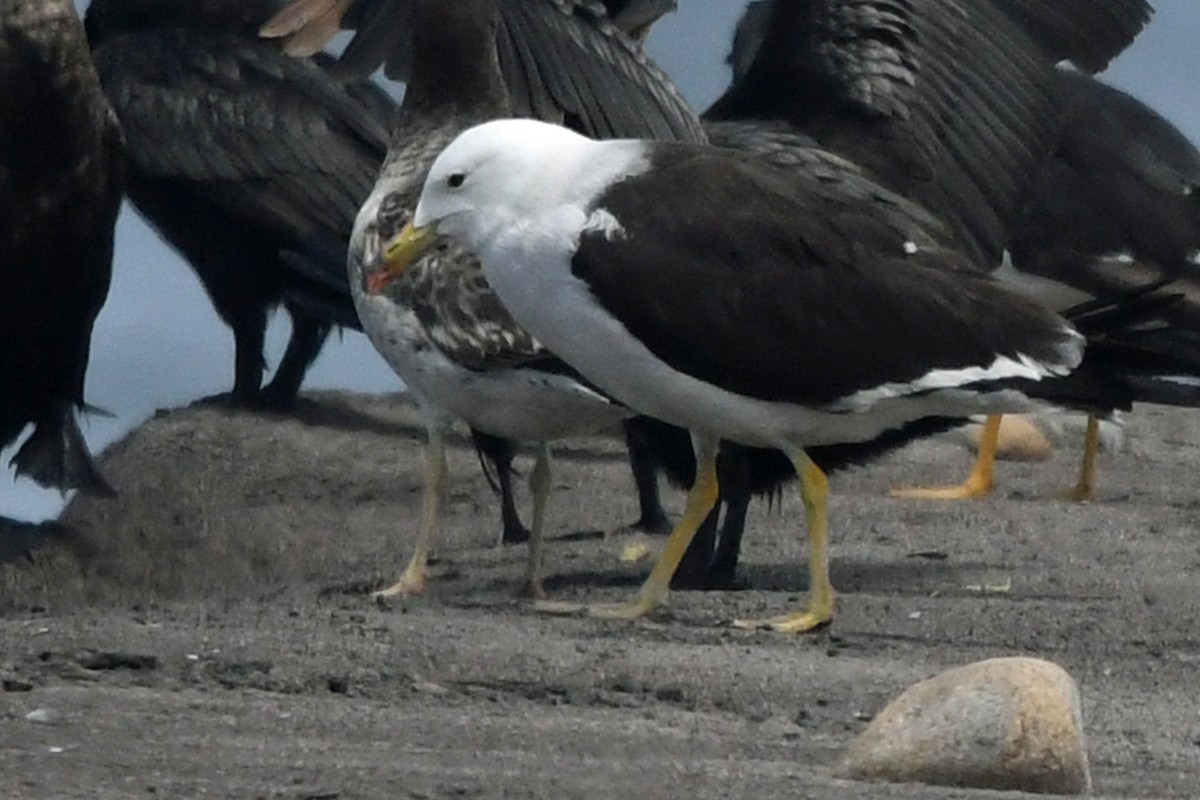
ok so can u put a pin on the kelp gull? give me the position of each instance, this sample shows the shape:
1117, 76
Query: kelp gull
948, 104
713, 292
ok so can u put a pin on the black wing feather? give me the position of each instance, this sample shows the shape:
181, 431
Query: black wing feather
594, 76
948, 103
264, 135
1123, 180
1089, 33
383, 36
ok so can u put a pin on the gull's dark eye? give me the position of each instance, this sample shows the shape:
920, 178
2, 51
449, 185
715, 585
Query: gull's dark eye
456, 180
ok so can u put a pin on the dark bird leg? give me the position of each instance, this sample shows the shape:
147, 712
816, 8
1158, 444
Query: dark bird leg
978, 483
55, 455
694, 568
700, 569
249, 330
308, 336
496, 456
723, 569
653, 517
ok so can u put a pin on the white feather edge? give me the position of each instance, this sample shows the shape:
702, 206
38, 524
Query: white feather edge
1002, 368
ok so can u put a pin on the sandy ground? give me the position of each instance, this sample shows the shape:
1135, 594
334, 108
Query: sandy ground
209, 633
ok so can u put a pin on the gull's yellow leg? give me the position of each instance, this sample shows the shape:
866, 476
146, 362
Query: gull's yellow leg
700, 500
539, 487
977, 484
1085, 489
818, 611
412, 580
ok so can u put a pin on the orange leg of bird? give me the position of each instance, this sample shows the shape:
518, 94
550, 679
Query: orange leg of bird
978, 483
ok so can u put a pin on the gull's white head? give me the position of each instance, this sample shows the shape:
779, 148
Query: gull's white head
497, 172
507, 176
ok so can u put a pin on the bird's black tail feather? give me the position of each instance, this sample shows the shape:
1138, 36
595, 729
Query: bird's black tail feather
56, 456
1139, 347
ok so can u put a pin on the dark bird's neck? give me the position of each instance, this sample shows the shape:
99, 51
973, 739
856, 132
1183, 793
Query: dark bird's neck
455, 63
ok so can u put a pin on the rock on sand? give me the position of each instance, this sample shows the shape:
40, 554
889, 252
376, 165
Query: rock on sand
1020, 439
1005, 723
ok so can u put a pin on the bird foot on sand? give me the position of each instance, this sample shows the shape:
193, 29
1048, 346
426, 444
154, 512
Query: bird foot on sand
531, 590
1079, 493
640, 606
412, 582
815, 615
970, 489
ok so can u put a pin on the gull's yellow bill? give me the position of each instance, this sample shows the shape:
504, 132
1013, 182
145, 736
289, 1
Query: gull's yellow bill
400, 254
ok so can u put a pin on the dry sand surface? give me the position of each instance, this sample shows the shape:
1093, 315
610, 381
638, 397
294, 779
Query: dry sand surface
209, 633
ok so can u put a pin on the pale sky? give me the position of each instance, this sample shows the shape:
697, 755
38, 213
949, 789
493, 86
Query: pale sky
159, 344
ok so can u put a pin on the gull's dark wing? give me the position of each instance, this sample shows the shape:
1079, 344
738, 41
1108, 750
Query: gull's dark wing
765, 259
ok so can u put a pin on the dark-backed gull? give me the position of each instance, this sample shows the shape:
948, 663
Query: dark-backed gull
704, 288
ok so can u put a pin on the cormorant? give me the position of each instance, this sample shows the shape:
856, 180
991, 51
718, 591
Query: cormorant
61, 174
240, 155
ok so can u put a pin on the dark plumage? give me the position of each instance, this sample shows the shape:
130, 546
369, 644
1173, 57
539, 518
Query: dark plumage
61, 172
952, 106
1121, 187
384, 29
957, 111
238, 155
